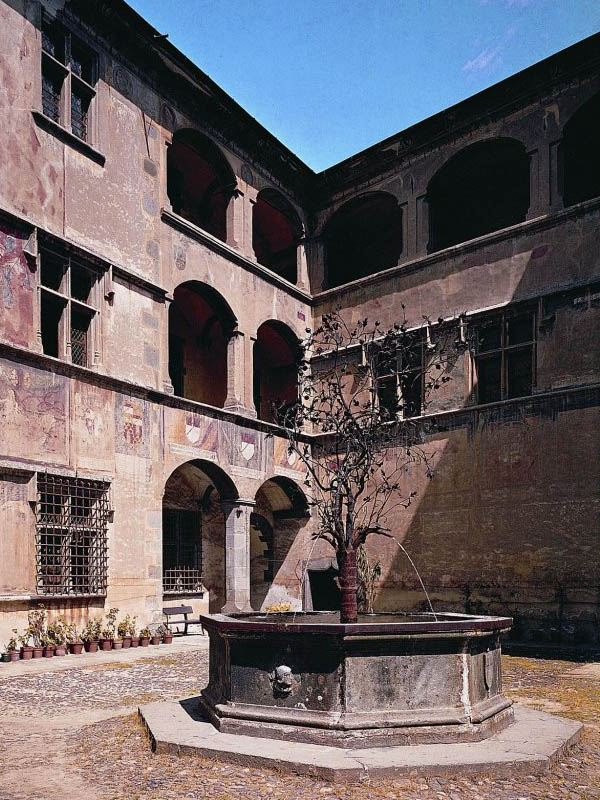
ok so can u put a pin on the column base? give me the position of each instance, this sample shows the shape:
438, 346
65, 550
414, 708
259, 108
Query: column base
236, 608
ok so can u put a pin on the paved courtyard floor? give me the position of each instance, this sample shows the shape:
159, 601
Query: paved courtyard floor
69, 731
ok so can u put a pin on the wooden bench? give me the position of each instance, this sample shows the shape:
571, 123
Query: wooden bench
181, 611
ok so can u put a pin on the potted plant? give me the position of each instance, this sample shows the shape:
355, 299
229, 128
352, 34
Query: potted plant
26, 648
57, 633
123, 632
156, 635
165, 633
145, 637
74, 640
36, 629
11, 649
135, 639
48, 645
107, 636
91, 634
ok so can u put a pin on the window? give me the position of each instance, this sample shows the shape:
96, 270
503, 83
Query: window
68, 298
68, 79
72, 516
505, 356
182, 551
400, 381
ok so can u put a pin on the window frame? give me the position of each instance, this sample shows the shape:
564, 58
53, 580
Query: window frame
396, 376
71, 305
503, 318
71, 547
71, 82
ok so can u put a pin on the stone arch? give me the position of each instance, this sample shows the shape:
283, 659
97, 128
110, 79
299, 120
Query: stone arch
362, 237
579, 155
281, 511
275, 370
200, 181
201, 323
482, 188
276, 233
193, 532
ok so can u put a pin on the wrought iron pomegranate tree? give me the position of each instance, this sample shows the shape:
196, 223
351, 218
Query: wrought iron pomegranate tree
360, 388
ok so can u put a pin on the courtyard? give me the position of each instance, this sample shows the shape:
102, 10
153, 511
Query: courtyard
69, 729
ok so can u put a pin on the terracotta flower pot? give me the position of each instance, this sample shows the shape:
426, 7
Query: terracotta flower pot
155, 639
14, 655
135, 641
60, 650
106, 644
126, 642
48, 651
75, 648
168, 638
26, 652
38, 652
91, 646
144, 641
117, 644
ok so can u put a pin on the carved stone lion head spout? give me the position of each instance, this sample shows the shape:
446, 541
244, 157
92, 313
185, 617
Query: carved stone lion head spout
282, 680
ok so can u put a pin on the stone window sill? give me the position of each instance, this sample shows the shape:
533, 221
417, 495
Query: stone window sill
68, 138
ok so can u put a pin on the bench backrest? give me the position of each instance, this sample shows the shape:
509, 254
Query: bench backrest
168, 612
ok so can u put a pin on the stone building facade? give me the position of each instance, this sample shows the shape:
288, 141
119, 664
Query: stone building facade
161, 254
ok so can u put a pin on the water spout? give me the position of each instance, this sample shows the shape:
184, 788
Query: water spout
417, 574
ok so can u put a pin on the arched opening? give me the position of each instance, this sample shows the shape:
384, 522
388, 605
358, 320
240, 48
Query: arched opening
276, 354
481, 189
276, 231
200, 182
200, 325
362, 237
193, 541
281, 511
580, 154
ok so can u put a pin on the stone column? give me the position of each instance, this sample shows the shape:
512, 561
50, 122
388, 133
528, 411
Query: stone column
237, 555
316, 263
421, 226
235, 372
165, 378
235, 220
302, 281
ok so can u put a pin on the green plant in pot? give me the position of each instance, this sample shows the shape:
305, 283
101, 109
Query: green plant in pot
74, 639
91, 634
109, 631
135, 639
11, 654
37, 621
156, 634
123, 631
57, 633
24, 639
47, 644
165, 633
145, 637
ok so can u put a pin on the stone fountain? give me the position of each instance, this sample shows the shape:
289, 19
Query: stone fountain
388, 679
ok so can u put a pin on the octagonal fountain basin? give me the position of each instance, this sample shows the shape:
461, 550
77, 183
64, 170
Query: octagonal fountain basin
388, 679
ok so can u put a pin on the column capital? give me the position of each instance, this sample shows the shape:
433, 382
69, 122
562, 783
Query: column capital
239, 501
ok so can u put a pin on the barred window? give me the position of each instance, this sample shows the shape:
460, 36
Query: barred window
72, 517
182, 551
68, 78
400, 380
505, 356
68, 307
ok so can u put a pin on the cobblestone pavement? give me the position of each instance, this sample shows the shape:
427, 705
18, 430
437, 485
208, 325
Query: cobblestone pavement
75, 734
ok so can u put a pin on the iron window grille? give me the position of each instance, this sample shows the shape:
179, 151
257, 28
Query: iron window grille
400, 379
68, 78
505, 355
68, 312
182, 551
72, 516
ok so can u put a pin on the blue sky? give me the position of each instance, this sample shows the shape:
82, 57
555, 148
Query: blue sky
331, 77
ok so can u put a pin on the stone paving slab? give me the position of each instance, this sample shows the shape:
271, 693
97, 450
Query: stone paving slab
36, 666
527, 747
